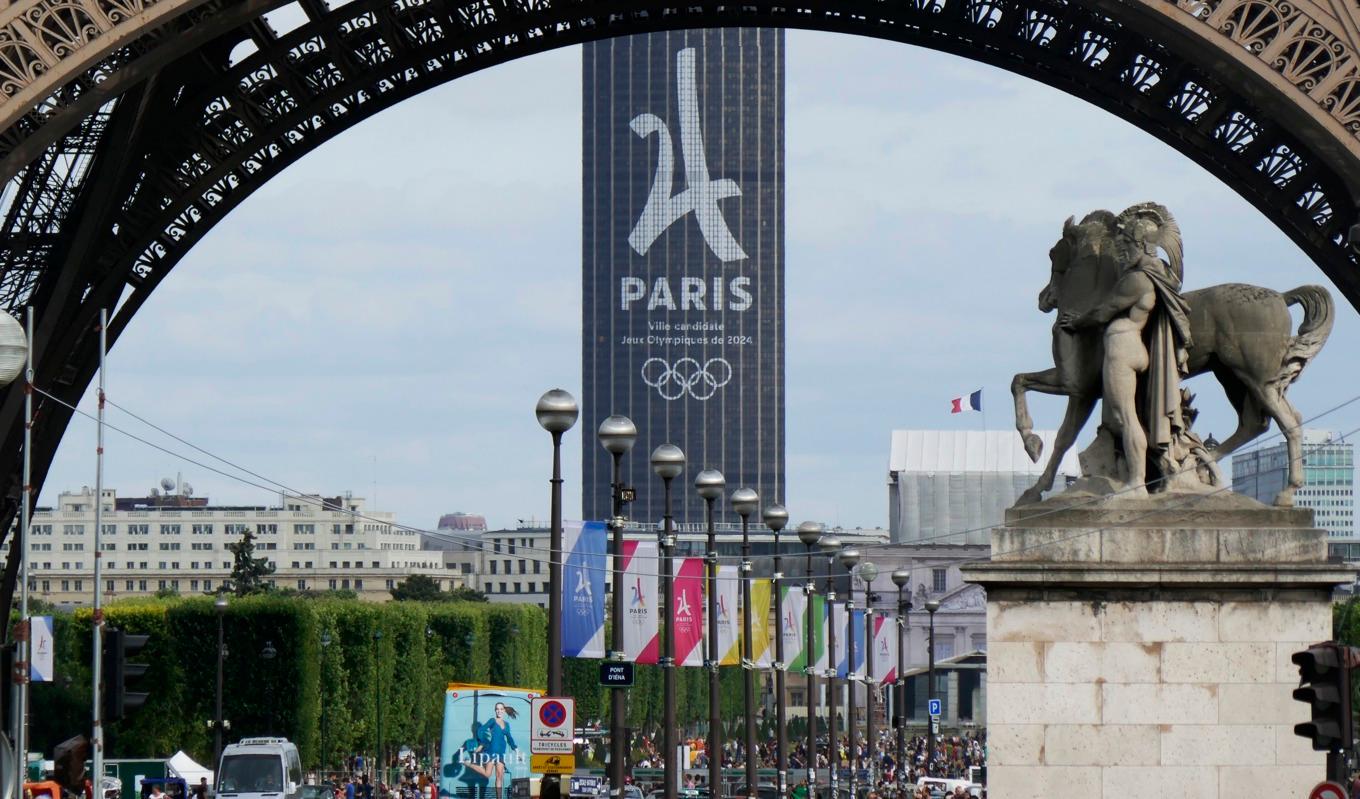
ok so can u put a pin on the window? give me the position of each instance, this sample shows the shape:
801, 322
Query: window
237, 529
202, 529
169, 546
493, 571
938, 580
332, 583
391, 584
169, 529
207, 585
201, 546
110, 529
304, 529
138, 547
46, 586
108, 586
193, 585
302, 585
127, 585
73, 547
110, 547
73, 529
266, 529
537, 564
42, 529
521, 567
141, 585
66, 585
358, 585
80, 585
139, 529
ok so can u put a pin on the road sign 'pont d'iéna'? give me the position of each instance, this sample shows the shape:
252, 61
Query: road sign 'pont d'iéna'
616, 675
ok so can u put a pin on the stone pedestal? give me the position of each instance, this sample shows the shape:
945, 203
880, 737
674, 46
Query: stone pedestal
1141, 649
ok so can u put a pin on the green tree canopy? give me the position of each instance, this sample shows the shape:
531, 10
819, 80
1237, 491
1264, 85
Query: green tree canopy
248, 572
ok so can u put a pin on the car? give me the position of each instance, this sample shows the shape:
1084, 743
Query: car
323, 791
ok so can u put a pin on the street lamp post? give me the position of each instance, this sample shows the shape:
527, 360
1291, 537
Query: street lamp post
931, 606
668, 461
268, 653
710, 484
849, 559
325, 644
830, 545
901, 578
617, 435
868, 572
745, 501
556, 412
810, 533
775, 518
377, 706
219, 605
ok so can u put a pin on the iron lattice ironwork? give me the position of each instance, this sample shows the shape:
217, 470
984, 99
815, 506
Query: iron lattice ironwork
153, 138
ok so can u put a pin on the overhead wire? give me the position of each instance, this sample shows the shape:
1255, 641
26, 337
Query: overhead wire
475, 542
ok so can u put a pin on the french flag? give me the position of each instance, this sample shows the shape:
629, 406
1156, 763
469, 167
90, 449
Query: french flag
966, 403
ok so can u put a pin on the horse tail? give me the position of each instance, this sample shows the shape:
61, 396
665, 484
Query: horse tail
1318, 316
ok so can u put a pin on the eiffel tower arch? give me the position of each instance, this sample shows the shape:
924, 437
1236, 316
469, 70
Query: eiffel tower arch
128, 128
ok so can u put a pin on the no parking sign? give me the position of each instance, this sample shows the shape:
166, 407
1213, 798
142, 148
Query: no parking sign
552, 722
1327, 790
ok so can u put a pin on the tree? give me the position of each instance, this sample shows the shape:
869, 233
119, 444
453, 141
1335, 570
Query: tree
464, 593
248, 572
417, 588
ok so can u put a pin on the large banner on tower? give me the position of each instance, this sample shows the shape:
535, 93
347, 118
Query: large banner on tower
683, 258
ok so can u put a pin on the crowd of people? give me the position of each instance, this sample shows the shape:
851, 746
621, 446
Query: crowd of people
953, 757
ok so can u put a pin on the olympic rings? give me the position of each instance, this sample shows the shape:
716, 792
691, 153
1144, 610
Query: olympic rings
687, 376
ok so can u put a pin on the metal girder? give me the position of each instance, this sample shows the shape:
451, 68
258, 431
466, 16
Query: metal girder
108, 206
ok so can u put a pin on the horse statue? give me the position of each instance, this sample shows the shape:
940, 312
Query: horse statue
1240, 333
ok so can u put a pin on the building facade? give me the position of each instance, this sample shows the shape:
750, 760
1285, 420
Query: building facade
953, 486
1328, 484
683, 259
178, 543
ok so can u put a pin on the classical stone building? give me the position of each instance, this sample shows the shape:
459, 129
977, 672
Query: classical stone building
176, 542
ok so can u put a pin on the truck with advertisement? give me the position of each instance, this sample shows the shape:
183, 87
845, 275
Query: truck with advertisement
485, 746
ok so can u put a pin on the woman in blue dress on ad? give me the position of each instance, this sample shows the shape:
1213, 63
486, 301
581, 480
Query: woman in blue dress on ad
494, 740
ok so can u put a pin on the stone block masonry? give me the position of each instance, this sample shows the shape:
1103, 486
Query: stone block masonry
1132, 654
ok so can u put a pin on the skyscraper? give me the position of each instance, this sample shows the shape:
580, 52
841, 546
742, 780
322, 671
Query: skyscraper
1328, 483
684, 260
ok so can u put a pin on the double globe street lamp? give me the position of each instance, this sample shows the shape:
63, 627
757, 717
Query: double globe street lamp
901, 578
709, 484
668, 462
617, 434
810, 535
556, 412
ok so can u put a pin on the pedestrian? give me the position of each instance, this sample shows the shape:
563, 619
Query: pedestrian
800, 791
349, 788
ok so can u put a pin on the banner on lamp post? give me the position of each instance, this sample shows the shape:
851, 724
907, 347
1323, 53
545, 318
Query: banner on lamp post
585, 546
687, 607
729, 636
762, 645
641, 641
793, 625
885, 649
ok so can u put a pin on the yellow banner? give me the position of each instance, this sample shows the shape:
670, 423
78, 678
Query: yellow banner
552, 764
761, 648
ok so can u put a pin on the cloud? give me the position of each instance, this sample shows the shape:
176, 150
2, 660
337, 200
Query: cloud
408, 290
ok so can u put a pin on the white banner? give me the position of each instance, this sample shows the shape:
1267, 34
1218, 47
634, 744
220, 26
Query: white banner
729, 589
821, 662
838, 630
42, 654
641, 597
885, 649
793, 625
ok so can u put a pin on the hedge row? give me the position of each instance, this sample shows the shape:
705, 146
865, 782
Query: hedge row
422, 648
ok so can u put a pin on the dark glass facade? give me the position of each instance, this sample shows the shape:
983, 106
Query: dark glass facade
684, 261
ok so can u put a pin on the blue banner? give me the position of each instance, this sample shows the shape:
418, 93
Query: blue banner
485, 743
842, 652
585, 545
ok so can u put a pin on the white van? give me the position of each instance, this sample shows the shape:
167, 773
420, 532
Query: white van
260, 768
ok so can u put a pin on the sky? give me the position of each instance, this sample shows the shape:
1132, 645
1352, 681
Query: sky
383, 316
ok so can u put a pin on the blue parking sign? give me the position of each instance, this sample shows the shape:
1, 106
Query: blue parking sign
934, 706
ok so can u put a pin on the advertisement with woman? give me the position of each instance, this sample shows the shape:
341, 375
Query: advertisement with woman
485, 743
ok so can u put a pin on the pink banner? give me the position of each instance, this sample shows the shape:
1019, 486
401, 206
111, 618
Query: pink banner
687, 604
885, 649
640, 599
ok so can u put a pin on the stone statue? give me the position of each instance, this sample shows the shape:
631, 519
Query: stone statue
1126, 333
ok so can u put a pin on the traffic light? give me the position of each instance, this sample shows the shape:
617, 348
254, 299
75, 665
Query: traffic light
119, 674
1324, 683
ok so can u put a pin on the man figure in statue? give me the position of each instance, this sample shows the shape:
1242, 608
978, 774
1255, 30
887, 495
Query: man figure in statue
1146, 334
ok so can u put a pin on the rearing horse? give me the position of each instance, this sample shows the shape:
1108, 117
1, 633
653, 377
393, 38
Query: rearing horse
1240, 333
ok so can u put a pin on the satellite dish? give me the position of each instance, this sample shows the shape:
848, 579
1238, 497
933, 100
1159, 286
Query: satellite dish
188, 490
155, 492
167, 484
